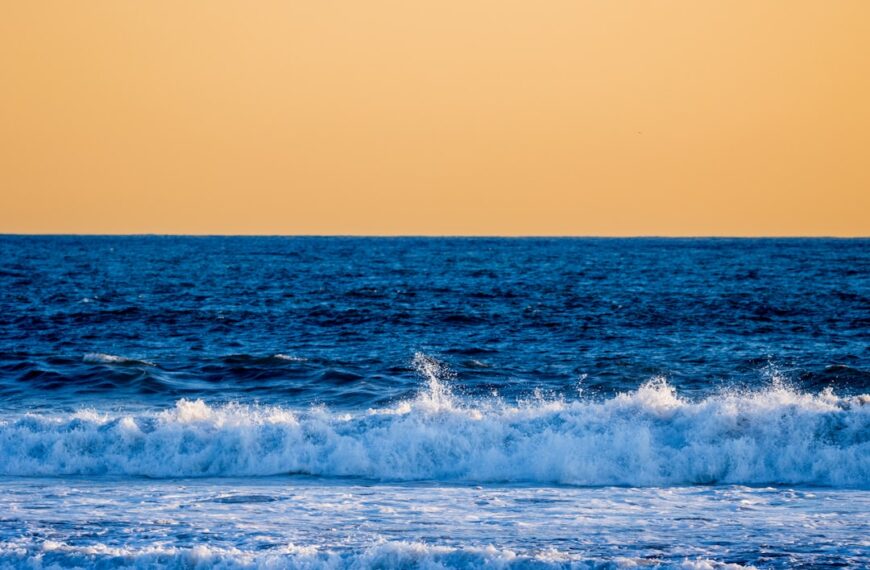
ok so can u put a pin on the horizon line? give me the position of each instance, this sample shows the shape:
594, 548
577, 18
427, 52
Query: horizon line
435, 236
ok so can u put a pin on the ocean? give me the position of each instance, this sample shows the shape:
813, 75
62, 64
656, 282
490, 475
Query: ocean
308, 402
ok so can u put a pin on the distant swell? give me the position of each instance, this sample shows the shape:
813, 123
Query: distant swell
647, 437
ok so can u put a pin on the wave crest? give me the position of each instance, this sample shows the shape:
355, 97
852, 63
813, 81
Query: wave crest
385, 556
647, 437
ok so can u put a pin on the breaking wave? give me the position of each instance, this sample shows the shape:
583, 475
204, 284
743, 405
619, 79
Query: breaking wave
384, 556
648, 437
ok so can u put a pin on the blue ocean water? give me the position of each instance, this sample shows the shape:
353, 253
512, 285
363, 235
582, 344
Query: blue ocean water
185, 402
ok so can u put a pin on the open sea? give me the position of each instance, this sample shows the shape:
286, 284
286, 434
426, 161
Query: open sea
229, 402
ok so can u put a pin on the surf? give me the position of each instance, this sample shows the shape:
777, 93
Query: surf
647, 437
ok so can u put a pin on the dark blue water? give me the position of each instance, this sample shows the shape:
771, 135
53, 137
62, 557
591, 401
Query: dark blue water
368, 403
205, 317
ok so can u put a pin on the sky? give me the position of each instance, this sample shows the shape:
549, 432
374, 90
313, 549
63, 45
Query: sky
436, 117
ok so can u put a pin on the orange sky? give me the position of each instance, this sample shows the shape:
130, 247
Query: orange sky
551, 117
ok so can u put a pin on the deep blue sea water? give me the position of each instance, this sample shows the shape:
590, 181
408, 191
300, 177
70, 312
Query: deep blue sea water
277, 402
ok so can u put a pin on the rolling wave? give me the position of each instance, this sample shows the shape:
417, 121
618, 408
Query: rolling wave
647, 437
384, 556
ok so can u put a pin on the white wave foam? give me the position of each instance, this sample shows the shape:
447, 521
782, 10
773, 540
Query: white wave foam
386, 555
289, 358
643, 438
102, 358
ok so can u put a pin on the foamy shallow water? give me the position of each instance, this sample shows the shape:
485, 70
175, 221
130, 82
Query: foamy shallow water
298, 522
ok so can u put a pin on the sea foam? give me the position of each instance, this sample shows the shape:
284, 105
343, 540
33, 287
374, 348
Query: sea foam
383, 555
646, 437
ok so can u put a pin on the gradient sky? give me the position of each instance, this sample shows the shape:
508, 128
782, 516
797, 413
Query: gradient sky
552, 117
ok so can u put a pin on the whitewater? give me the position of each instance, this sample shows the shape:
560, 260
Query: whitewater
648, 437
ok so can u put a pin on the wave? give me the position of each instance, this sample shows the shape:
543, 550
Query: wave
385, 556
247, 359
647, 437
101, 358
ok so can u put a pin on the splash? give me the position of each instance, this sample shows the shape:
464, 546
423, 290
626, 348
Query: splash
436, 375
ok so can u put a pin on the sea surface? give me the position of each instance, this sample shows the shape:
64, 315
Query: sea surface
200, 402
